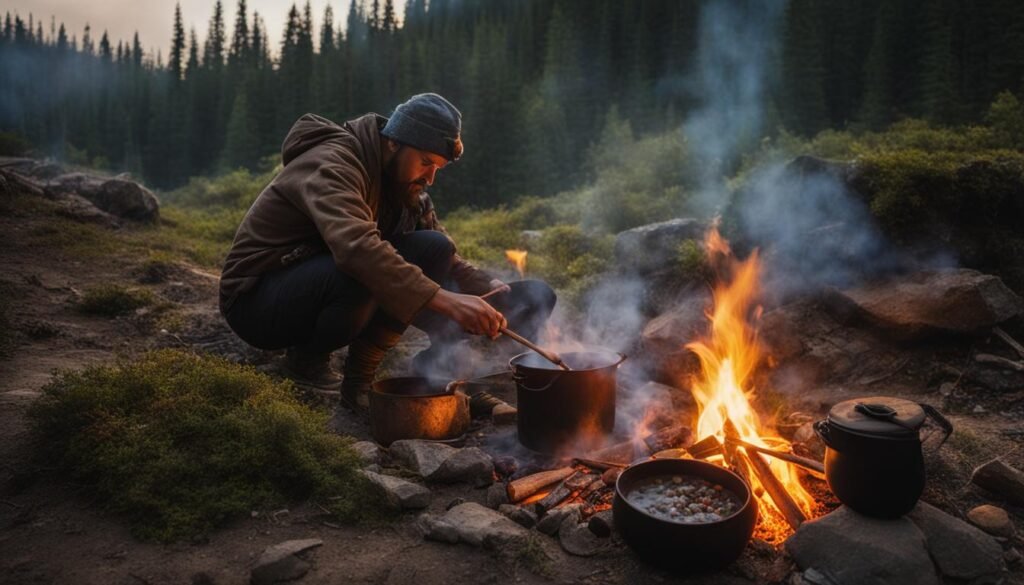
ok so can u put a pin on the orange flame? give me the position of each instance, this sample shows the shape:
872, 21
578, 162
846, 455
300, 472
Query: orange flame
729, 358
518, 259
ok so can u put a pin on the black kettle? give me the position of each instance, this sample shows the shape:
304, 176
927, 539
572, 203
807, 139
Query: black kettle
873, 459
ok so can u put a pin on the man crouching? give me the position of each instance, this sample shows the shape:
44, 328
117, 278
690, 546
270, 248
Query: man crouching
344, 247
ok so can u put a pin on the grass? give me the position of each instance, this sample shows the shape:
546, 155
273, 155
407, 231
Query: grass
112, 300
180, 444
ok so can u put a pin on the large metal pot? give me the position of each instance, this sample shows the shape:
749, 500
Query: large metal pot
873, 459
416, 408
679, 547
559, 408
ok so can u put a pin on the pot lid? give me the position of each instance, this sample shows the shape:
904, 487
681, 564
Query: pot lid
878, 415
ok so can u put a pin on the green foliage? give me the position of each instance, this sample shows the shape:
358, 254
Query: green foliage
14, 144
233, 190
111, 300
180, 444
1006, 118
691, 259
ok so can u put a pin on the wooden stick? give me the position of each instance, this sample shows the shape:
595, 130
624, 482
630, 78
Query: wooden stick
1009, 340
811, 465
598, 464
783, 501
623, 453
525, 487
493, 292
986, 358
706, 447
548, 355
559, 493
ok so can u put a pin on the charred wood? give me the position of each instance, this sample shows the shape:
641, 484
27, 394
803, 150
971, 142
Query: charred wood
525, 487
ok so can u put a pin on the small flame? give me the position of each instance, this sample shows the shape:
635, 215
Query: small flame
729, 358
518, 259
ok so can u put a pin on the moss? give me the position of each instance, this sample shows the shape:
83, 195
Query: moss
111, 300
75, 239
180, 444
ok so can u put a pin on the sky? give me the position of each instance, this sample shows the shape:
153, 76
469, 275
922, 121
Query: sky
154, 19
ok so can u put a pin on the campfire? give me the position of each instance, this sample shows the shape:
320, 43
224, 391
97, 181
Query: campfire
727, 429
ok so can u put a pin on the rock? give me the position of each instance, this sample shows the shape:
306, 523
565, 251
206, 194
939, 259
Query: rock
601, 523
664, 337
504, 414
946, 388
279, 563
119, 197
521, 516
435, 528
651, 247
470, 465
552, 521
1002, 479
78, 208
577, 539
497, 495
400, 493
1012, 557
482, 526
960, 550
921, 304
368, 451
850, 549
421, 457
806, 442
992, 519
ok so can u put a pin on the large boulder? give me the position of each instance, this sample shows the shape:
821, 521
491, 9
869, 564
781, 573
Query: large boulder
664, 338
655, 246
850, 549
925, 303
960, 550
119, 197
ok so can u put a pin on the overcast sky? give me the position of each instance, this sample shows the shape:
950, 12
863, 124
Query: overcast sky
154, 19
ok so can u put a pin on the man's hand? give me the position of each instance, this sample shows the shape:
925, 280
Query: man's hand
471, 312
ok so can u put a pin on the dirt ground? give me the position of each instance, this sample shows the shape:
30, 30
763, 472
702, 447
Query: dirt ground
51, 532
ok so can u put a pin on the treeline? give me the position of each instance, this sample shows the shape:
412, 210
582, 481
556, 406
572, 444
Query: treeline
536, 79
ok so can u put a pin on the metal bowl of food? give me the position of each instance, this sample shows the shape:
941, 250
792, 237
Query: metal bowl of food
416, 408
684, 515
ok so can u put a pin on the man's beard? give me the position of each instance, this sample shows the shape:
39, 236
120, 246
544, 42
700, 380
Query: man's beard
406, 194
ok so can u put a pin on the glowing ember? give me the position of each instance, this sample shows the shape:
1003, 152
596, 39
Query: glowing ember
518, 259
729, 358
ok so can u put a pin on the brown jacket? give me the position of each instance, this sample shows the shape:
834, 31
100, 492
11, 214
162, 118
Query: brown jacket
328, 197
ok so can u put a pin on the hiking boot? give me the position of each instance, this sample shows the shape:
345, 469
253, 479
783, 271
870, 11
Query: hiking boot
365, 355
311, 369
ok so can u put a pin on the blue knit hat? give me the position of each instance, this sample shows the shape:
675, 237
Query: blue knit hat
427, 122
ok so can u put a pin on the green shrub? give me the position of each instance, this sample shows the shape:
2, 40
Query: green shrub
234, 190
14, 144
111, 300
180, 444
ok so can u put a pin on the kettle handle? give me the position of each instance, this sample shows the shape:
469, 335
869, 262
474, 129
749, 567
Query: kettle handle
943, 422
821, 429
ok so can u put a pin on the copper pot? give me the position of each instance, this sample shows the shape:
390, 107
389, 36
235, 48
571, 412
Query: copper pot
416, 408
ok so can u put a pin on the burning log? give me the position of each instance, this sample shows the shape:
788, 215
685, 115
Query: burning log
610, 476
706, 447
783, 501
816, 468
525, 487
667, 438
566, 490
599, 465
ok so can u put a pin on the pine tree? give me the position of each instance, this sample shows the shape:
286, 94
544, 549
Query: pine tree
213, 51
389, 23
106, 55
239, 52
177, 45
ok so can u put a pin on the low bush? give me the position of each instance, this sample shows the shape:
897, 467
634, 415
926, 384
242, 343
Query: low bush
111, 300
180, 444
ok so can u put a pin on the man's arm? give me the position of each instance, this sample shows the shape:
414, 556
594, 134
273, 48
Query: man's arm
470, 278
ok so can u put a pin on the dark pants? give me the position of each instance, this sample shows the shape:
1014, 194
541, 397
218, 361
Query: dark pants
316, 307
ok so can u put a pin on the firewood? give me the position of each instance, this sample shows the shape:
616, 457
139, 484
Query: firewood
705, 447
599, 465
667, 438
999, 478
986, 358
569, 488
610, 476
776, 491
622, 453
525, 487
816, 468
1009, 340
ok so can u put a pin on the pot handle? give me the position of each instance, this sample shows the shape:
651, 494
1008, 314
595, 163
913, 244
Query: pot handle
821, 429
521, 381
943, 422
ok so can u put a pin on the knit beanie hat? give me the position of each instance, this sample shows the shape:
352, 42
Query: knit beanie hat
427, 122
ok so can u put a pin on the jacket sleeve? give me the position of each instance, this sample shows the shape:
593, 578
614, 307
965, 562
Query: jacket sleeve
331, 192
471, 280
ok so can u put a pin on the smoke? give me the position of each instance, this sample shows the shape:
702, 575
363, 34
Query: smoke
732, 71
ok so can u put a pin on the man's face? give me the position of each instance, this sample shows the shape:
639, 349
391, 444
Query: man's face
410, 171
